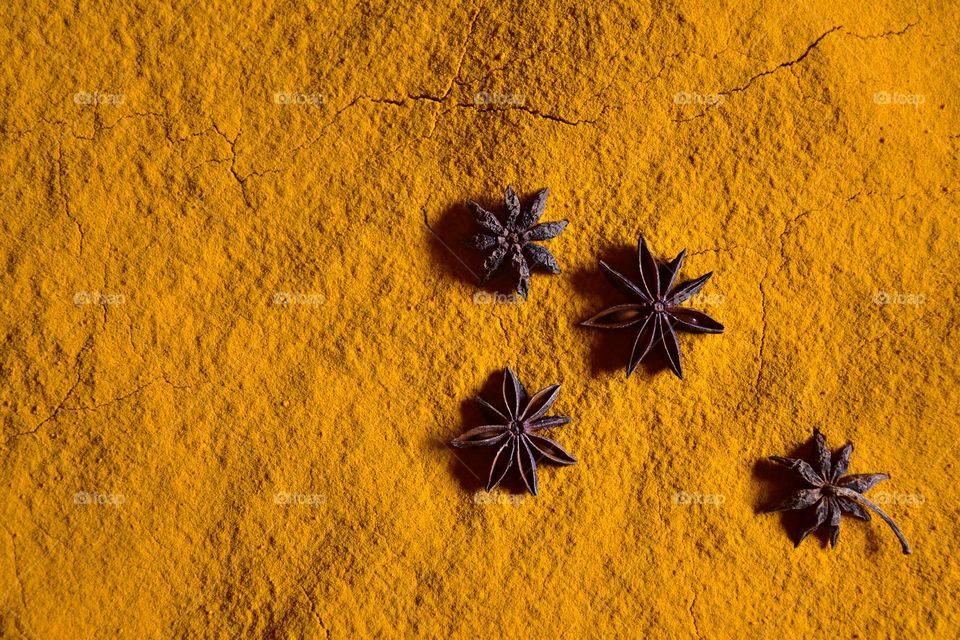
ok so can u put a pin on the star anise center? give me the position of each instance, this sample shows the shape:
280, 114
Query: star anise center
516, 427
514, 238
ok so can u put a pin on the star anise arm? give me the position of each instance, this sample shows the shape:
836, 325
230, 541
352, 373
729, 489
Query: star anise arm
546, 230
669, 339
801, 467
485, 218
538, 256
694, 321
482, 241
535, 212
649, 272
834, 522
819, 517
483, 436
853, 508
513, 207
688, 289
623, 284
853, 495
547, 422
644, 342
501, 463
841, 461
540, 403
822, 460
491, 410
492, 263
618, 317
669, 271
513, 393
797, 500
522, 271
862, 482
527, 465
551, 450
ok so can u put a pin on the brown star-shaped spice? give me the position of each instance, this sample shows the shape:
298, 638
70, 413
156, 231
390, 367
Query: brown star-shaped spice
513, 240
830, 492
656, 308
515, 432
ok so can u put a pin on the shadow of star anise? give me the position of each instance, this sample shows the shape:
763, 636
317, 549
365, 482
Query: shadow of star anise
656, 308
513, 240
830, 491
515, 432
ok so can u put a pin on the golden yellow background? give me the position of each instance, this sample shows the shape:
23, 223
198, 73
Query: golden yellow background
167, 171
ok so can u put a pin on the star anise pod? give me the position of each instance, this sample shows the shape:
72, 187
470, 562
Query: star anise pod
830, 491
513, 240
515, 432
655, 308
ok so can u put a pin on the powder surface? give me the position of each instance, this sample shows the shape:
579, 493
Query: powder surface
233, 352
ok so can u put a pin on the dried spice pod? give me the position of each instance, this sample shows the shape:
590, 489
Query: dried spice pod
516, 432
830, 492
512, 240
655, 308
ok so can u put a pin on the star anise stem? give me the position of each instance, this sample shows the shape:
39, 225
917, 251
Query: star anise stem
853, 495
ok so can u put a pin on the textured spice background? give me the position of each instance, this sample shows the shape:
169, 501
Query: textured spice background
197, 400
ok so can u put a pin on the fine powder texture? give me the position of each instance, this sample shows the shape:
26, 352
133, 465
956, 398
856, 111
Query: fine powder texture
240, 329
